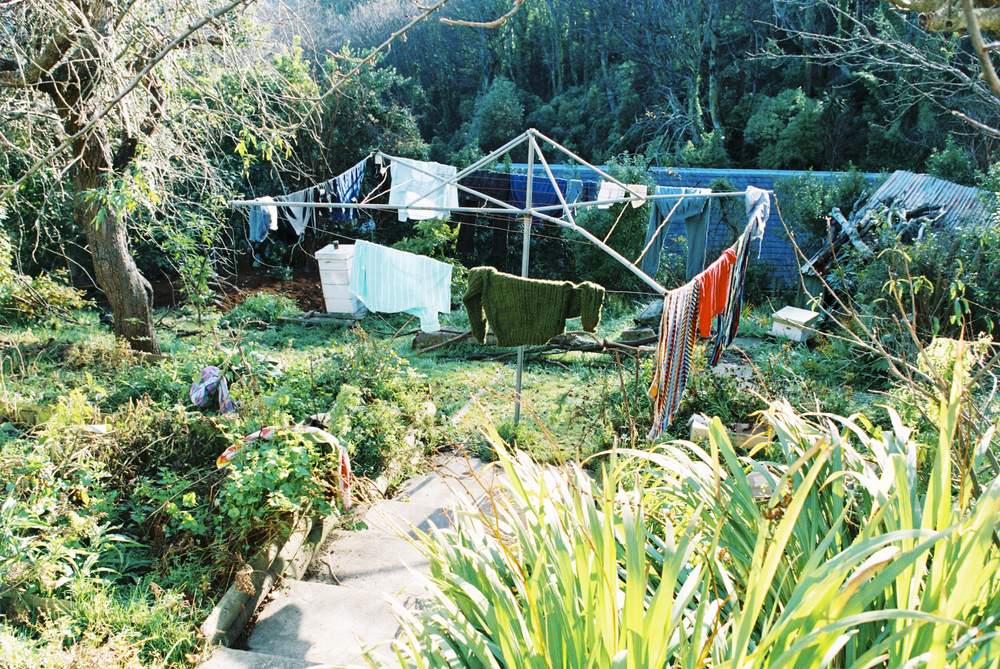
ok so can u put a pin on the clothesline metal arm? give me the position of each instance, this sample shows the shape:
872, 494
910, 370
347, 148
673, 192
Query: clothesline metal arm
656, 234
485, 160
571, 224
508, 209
535, 133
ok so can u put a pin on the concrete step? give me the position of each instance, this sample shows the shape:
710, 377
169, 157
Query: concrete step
325, 624
377, 562
403, 518
453, 477
231, 658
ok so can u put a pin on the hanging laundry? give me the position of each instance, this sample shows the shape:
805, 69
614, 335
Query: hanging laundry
416, 183
674, 352
497, 186
694, 212
523, 311
756, 197
590, 190
574, 190
285, 234
713, 288
345, 187
212, 383
299, 218
543, 194
263, 219
389, 281
638, 194
758, 204
609, 190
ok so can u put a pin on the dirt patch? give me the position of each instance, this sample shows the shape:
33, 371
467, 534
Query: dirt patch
305, 291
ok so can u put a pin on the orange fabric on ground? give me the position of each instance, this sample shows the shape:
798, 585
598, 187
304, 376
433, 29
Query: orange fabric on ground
714, 289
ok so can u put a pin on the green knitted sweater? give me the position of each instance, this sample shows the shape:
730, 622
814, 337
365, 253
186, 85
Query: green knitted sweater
528, 311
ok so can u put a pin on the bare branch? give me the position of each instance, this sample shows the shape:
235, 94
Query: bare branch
386, 44
989, 130
948, 20
979, 44
918, 5
495, 23
15, 74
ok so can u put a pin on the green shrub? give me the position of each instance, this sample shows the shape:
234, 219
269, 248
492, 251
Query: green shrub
271, 480
945, 281
26, 298
952, 162
806, 203
433, 238
262, 308
386, 414
391, 418
710, 151
499, 114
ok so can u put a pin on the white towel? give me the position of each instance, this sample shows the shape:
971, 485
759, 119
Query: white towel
754, 197
416, 183
609, 191
638, 193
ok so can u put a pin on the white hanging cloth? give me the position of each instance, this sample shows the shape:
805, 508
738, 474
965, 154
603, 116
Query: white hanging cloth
609, 191
638, 193
416, 183
754, 197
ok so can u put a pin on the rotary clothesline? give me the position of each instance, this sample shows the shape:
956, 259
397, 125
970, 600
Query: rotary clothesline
529, 212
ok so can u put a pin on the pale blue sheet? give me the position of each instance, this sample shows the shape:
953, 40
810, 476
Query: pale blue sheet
389, 281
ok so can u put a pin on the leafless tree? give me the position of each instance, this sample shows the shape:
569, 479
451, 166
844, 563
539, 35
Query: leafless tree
912, 65
973, 18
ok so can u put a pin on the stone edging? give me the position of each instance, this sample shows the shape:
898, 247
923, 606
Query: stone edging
230, 615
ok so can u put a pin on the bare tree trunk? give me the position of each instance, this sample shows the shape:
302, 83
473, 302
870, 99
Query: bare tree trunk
128, 292
712, 30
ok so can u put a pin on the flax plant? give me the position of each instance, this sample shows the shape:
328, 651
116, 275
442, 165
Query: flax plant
836, 552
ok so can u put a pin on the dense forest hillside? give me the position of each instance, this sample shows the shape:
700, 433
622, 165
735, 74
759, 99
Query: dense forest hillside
701, 82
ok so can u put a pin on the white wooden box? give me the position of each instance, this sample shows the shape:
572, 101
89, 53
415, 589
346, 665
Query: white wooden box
794, 323
335, 277
742, 435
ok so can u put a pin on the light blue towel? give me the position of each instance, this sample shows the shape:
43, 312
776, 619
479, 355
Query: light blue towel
388, 280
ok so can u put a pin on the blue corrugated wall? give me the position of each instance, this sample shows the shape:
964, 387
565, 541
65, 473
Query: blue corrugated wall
776, 250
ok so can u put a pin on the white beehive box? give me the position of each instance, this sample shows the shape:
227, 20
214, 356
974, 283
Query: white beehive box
335, 276
794, 323
742, 435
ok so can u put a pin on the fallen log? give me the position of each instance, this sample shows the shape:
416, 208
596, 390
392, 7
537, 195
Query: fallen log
566, 343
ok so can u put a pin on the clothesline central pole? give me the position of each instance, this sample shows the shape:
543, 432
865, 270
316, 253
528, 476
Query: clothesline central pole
525, 256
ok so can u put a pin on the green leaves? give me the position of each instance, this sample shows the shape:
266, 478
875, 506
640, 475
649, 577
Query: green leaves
669, 559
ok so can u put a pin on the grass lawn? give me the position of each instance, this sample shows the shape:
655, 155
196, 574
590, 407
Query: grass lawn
136, 531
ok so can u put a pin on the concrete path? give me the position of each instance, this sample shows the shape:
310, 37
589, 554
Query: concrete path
341, 610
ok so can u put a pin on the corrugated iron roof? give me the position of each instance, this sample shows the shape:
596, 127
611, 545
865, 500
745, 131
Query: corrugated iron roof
963, 205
